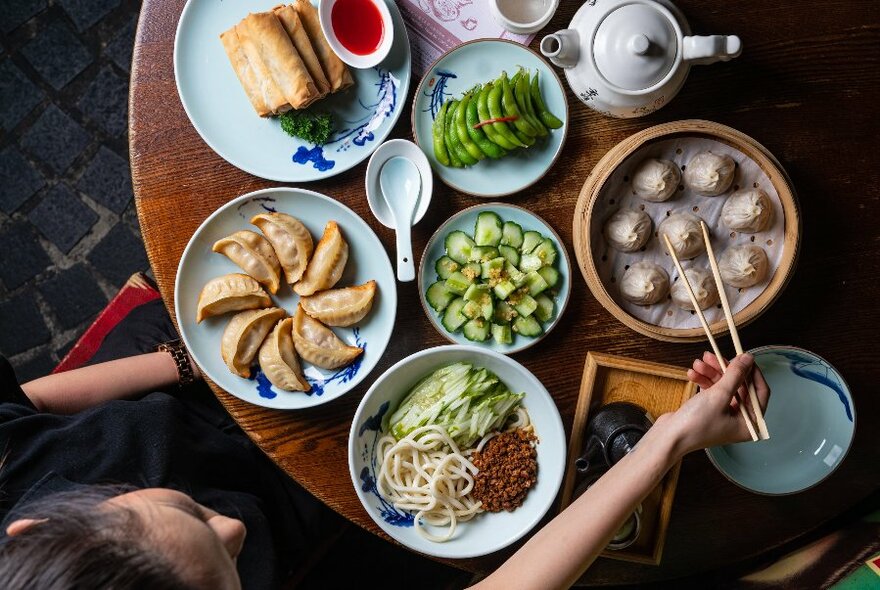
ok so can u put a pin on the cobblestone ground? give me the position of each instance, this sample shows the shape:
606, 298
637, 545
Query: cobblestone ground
68, 229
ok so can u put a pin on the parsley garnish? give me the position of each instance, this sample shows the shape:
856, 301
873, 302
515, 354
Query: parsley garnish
312, 128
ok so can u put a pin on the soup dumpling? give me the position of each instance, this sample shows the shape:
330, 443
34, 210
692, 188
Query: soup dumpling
327, 263
702, 284
291, 241
656, 180
684, 233
243, 336
340, 307
232, 292
627, 230
317, 344
709, 174
644, 283
748, 210
744, 265
278, 359
254, 255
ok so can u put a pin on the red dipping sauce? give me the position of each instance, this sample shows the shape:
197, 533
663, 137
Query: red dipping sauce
358, 25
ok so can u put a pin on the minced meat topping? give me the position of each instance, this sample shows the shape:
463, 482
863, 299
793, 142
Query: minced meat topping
508, 468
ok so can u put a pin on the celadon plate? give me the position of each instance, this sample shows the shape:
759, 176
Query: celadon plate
222, 114
366, 260
811, 419
486, 532
459, 70
465, 221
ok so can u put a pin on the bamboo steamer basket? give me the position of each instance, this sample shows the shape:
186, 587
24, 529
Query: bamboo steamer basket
592, 189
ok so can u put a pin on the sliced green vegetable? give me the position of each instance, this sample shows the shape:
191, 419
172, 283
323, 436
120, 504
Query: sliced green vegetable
550, 274
483, 253
471, 310
488, 229
492, 269
453, 319
510, 253
535, 283
516, 276
524, 304
530, 240
458, 283
530, 262
459, 246
438, 296
527, 326
511, 235
546, 251
477, 330
502, 334
445, 266
503, 289
546, 306
504, 313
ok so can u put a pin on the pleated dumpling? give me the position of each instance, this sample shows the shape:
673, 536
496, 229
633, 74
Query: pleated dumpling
291, 240
243, 336
278, 359
232, 292
254, 254
317, 344
327, 262
340, 307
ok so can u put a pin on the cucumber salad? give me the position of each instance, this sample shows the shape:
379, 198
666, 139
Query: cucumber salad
497, 283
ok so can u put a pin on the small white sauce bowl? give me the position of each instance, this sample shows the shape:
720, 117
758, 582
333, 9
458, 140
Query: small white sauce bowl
502, 12
325, 10
386, 151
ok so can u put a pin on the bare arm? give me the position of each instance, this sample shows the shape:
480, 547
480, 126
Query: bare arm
560, 552
127, 378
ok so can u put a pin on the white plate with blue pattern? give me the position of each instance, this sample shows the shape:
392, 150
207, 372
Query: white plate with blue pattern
811, 419
459, 70
220, 111
488, 532
367, 260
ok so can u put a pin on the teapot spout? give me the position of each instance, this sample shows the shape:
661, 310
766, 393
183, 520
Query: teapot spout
562, 48
703, 50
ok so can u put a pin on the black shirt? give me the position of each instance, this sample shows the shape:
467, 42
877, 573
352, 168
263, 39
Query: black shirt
187, 442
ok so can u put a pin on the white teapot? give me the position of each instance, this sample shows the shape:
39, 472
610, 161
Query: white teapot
628, 58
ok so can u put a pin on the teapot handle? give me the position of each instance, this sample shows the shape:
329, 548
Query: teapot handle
703, 50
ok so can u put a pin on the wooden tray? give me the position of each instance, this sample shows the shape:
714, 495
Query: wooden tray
658, 389
592, 188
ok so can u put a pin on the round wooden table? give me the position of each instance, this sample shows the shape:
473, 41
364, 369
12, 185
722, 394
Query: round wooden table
805, 87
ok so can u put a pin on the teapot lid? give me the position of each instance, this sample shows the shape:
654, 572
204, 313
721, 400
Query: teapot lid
636, 45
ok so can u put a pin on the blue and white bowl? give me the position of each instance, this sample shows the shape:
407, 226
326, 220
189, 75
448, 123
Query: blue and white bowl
487, 532
811, 419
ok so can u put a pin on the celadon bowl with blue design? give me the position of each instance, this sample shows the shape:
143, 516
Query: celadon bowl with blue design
811, 418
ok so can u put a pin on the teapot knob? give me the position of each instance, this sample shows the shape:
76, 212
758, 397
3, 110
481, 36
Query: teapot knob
639, 44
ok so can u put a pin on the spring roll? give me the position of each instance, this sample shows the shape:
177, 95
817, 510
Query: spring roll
262, 32
335, 70
268, 89
247, 76
292, 24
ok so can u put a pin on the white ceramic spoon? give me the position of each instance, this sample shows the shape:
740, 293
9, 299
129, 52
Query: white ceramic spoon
401, 184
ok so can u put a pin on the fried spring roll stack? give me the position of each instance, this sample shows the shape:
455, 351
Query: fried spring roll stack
334, 68
259, 94
293, 25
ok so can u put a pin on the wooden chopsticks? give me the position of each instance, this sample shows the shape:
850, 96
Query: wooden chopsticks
715, 349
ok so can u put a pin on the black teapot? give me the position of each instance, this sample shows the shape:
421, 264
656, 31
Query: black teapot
612, 432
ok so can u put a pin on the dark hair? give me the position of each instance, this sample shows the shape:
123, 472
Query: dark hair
83, 546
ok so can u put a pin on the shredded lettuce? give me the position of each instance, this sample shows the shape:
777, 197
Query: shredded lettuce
468, 402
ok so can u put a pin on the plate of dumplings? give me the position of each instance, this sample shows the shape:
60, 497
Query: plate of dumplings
285, 298
669, 180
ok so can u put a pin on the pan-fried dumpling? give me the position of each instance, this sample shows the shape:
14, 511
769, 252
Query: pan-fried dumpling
327, 263
747, 210
656, 180
278, 359
317, 344
744, 265
627, 230
340, 307
243, 336
232, 292
644, 283
291, 240
702, 284
254, 255
709, 174
684, 233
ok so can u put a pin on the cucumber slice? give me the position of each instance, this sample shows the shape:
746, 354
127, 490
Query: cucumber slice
511, 235
525, 305
504, 313
445, 266
503, 289
487, 231
546, 251
472, 270
527, 326
516, 277
438, 296
530, 240
535, 283
546, 307
530, 262
493, 269
482, 295
477, 330
453, 319
471, 310
458, 246
550, 274
458, 283
510, 253
502, 334
483, 253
